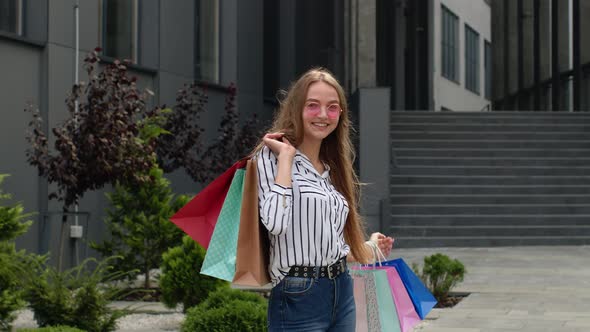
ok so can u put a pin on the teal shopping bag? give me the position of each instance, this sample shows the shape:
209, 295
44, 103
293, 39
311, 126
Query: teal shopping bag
220, 259
385, 303
421, 296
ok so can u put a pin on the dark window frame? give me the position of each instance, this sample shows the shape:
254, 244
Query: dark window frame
16, 20
449, 44
198, 63
488, 69
271, 50
134, 32
472, 60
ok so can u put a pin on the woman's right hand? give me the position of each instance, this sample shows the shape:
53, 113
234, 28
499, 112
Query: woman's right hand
279, 145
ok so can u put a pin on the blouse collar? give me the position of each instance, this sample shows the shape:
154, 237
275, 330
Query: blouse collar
303, 160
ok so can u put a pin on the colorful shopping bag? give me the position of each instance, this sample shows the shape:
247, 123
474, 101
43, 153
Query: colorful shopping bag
220, 259
360, 302
372, 305
388, 319
252, 252
421, 297
367, 307
406, 313
198, 217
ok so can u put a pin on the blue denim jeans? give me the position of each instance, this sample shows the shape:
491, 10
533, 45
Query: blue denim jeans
308, 304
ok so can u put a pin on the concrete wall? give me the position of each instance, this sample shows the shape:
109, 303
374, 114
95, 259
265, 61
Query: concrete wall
585, 30
366, 44
38, 67
374, 155
450, 94
22, 82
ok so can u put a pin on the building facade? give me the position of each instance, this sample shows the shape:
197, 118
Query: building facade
439, 55
462, 46
541, 55
169, 43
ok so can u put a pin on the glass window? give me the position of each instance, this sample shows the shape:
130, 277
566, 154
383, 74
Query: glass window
471, 59
120, 29
488, 69
10, 16
271, 50
450, 49
207, 40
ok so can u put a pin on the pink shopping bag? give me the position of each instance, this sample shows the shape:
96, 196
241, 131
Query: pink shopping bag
407, 315
360, 301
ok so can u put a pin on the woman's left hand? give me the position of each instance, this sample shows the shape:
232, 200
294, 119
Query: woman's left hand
384, 243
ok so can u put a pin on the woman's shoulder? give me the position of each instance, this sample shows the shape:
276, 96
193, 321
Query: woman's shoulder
265, 153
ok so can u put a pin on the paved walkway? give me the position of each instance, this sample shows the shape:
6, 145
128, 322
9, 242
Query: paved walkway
527, 289
524, 289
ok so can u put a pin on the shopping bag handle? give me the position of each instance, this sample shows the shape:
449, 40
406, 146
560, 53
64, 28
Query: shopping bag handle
378, 257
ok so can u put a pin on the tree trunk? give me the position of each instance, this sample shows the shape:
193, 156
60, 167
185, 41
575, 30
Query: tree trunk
62, 238
147, 277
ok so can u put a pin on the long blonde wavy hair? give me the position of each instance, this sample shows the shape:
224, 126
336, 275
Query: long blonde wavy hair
336, 150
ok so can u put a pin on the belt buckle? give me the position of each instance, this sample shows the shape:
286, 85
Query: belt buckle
329, 268
330, 273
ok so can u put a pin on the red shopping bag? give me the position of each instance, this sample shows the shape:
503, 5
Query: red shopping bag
199, 216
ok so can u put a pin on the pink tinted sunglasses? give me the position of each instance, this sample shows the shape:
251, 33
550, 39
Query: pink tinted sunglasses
313, 109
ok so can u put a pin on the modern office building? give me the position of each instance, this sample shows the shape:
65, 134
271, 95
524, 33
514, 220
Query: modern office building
541, 55
391, 55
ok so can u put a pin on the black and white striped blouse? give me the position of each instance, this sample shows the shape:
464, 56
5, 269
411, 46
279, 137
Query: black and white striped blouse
305, 222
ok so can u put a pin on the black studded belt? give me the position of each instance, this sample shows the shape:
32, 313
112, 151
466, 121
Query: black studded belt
330, 271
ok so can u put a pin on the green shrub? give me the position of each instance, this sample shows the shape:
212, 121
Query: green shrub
228, 310
224, 295
139, 224
15, 266
10, 302
16, 271
181, 281
77, 297
11, 218
60, 328
440, 274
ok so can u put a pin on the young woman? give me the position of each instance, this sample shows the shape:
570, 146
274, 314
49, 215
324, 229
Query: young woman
308, 201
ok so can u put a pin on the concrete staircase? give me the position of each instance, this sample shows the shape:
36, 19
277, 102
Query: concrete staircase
490, 179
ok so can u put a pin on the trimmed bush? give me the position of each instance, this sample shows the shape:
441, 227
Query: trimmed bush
77, 297
222, 296
15, 266
440, 274
138, 220
228, 310
180, 281
60, 328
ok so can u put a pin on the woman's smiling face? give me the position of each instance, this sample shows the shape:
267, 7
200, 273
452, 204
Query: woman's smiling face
321, 112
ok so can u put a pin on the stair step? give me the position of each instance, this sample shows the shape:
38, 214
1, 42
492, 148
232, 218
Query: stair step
399, 152
487, 127
489, 144
491, 189
421, 179
487, 170
430, 199
485, 241
488, 135
489, 231
490, 209
494, 114
487, 161
497, 219
490, 118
